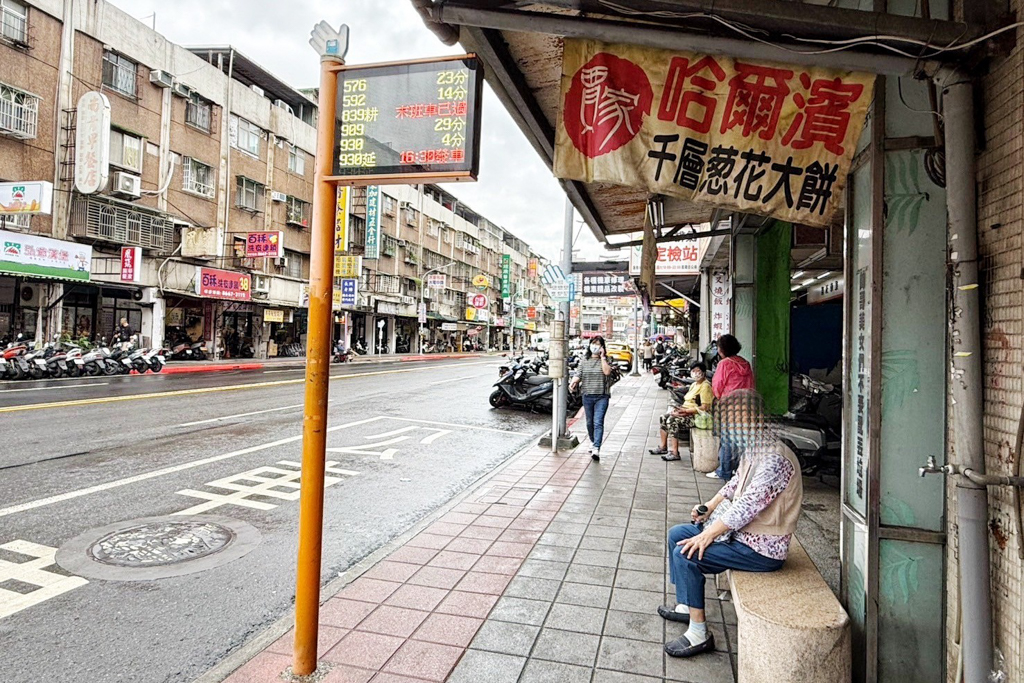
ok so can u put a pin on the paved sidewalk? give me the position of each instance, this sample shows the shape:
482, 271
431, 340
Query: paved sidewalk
549, 571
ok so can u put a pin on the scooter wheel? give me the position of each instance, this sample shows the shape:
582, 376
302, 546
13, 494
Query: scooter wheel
497, 398
156, 366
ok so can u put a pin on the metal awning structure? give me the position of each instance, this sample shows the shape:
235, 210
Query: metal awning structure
520, 44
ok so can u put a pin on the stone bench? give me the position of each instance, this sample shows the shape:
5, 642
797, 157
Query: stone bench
791, 627
704, 449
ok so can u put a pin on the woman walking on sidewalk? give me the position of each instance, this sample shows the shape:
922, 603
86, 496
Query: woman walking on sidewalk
595, 386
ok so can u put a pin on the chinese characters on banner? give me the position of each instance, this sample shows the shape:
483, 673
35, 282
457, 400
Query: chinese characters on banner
605, 284
506, 276
131, 264
264, 244
674, 258
223, 284
92, 142
33, 255
721, 299
435, 281
341, 220
348, 266
372, 250
763, 138
349, 291
531, 268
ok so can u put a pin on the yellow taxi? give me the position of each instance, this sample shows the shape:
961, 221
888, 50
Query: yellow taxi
620, 354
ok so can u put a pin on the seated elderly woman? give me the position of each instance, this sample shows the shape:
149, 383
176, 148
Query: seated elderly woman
679, 419
747, 526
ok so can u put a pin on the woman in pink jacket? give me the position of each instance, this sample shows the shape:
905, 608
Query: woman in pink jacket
732, 374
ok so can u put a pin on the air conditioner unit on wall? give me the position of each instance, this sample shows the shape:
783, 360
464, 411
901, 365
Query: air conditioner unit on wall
284, 105
182, 90
257, 89
261, 283
281, 261
160, 78
278, 197
29, 296
127, 185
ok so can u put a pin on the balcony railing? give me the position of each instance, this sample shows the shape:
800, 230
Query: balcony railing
108, 220
19, 113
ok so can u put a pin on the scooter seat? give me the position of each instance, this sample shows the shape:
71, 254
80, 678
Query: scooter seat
537, 380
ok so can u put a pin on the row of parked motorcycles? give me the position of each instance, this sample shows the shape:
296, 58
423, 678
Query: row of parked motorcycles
20, 360
524, 383
813, 426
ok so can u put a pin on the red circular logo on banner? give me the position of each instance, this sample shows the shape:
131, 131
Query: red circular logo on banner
606, 104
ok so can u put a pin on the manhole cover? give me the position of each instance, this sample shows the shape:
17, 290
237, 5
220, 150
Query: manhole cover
157, 547
161, 543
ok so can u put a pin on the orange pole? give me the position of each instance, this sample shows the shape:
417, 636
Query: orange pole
318, 365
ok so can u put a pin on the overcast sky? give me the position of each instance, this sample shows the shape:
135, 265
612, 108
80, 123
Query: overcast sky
515, 189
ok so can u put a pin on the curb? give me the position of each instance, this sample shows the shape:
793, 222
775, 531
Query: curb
211, 368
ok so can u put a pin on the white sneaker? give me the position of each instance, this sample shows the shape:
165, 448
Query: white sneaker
712, 475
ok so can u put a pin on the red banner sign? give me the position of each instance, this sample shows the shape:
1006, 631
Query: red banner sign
131, 264
223, 284
263, 244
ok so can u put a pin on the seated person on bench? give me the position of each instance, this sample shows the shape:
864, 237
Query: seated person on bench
678, 421
746, 526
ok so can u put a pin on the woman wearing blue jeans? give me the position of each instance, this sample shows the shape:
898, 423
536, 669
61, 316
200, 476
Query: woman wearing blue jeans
595, 386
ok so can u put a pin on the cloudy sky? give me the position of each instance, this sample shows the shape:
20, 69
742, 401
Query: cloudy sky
515, 189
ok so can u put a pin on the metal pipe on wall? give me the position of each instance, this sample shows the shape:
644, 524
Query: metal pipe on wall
965, 381
564, 309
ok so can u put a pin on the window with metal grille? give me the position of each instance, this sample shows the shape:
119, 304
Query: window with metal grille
197, 177
298, 211
19, 112
245, 136
250, 194
14, 21
389, 206
126, 150
356, 232
296, 160
293, 268
389, 246
120, 73
388, 284
199, 113
433, 228
21, 221
107, 220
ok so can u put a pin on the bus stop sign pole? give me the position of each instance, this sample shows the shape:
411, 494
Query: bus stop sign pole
331, 45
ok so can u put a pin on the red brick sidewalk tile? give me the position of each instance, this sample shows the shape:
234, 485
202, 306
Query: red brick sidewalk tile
364, 650
393, 621
327, 638
369, 590
417, 597
479, 582
428, 539
467, 604
485, 533
448, 629
453, 560
413, 555
348, 674
469, 545
392, 571
498, 565
424, 660
344, 613
436, 577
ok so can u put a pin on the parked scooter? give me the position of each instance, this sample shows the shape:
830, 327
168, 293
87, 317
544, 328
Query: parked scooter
813, 427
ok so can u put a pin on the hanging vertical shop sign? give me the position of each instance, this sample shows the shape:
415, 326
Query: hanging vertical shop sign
92, 142
506, 276
372, 250
758, 137
131, 264
349, 291
341, 219
531, 268
721, 299
348, 266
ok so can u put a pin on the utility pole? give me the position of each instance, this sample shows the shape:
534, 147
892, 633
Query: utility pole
636, 336
564, 313
332, 46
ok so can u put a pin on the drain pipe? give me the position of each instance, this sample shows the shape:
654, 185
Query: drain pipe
965, 381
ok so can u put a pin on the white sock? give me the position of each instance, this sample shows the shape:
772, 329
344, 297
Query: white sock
682, 609
697, 633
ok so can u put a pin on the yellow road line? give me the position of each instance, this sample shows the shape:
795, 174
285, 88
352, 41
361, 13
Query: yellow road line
209, 390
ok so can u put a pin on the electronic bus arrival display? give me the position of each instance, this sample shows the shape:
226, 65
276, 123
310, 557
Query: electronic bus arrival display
418, 118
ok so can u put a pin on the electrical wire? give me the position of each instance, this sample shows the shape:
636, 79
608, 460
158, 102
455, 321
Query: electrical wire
840, 45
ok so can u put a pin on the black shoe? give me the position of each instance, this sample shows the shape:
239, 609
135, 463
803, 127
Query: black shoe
657, 451
595, 457
680, 647
671, 457
666, 612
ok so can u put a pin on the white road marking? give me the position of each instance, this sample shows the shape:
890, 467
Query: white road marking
14, 391
271, 372
460, 426
231, 417
434, 437
32, 572
386, 454
267, 478
401, 430
455, 379
61, 497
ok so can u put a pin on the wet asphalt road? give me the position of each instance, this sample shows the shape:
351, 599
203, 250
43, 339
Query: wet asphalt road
409, 436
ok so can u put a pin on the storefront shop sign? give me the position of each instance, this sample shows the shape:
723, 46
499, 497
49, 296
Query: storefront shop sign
674, 258
721, 298
26, 197
531, 268
349, 291
92, 143
264, 244
348, 266
499, 321
372, 245
470, 314
389, 308
32, 255
436, 281
761, 138
481, 282
531, 312
605, 284
826, 291
506, 276
273, 315
223, 284
449, 327
344, 193
482, 315
478, 301
131, 264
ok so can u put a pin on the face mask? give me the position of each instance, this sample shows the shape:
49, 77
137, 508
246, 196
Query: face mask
696, 376
595, 348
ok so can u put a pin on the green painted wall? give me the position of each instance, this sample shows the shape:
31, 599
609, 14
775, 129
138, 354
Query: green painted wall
772, 314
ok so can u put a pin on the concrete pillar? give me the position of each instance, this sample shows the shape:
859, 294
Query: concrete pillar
153, 321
